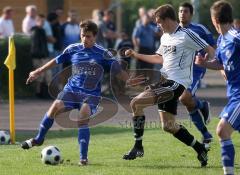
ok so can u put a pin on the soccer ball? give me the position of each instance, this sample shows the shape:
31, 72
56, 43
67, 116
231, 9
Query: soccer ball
4, 138
51, 155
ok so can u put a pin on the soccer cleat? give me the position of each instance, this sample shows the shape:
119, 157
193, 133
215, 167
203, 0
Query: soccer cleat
30, 143
203, 157
134, 153
206, 112
83, 162
207, 139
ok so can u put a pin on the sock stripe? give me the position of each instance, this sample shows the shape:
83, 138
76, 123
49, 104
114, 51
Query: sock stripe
193, 142
228, 170
139, 138
226, 143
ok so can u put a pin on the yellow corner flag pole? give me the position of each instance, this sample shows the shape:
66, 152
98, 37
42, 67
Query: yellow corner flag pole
10, 62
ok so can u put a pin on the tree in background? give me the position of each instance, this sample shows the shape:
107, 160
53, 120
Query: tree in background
130, 11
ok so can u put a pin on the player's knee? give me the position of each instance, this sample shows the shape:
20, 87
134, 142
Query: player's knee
85, 111
168, 128
133, 104
183, 100
56, 108
222, 131
84, 116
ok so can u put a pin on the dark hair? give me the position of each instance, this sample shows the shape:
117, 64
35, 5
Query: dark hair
89, 26
222, 11
108, 12
52, 16
41, 16
165, 11
7, 9
187, 5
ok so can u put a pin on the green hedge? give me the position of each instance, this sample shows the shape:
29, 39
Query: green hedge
23, 67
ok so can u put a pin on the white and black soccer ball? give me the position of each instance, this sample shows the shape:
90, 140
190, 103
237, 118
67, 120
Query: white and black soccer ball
51, 155
4, 138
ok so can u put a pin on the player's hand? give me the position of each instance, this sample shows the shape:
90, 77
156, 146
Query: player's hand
33, 76
129, 53
200, 60
138, 80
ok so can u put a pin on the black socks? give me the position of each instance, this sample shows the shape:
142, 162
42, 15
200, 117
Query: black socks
138, 129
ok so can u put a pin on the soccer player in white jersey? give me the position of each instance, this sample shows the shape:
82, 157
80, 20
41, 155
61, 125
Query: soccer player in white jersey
176, 53
198, 109
227, 59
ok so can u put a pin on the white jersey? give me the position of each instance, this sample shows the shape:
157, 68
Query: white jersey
178, 51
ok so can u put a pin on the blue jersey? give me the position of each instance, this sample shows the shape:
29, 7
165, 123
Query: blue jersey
228, 54
206, 35
88, 66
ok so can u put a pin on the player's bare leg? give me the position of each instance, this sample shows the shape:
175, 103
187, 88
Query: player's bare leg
199, 114
84, 133
181, 133
224, 131
46, 123
151, 96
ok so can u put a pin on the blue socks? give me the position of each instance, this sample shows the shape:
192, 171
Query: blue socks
228, 154
197, 118
83, 140
45, 124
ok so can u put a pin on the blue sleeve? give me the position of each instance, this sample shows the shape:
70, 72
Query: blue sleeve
112, 66
210, 40
136, 32
217, 52
63, 57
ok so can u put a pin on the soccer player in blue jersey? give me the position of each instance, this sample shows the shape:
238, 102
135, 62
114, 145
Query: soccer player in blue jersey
228, 59
198, 109
83, 88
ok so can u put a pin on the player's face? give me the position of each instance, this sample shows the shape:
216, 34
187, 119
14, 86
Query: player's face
215, 23
88, 39
161, 23
184, 15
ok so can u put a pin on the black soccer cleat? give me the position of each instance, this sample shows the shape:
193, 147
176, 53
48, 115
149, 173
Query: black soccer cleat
134, 153
30, 143
203, 157
206, 112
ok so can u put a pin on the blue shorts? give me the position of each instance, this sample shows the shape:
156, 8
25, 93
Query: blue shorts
74, 100
195, 83
231, 113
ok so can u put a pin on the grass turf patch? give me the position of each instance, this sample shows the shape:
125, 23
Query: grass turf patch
163, 154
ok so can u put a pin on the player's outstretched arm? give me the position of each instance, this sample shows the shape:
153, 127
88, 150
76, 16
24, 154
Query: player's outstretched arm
154, 59
36, 73
131, 81
210, 52
212, 64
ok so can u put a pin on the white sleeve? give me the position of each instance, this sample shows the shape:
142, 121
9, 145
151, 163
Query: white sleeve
159, 50
194, 41
26, 26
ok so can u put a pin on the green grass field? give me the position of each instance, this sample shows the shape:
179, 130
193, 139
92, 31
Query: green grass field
164, 155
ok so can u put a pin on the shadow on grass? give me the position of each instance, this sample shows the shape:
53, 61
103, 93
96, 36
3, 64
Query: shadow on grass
23, 135
158, 167
175, 167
